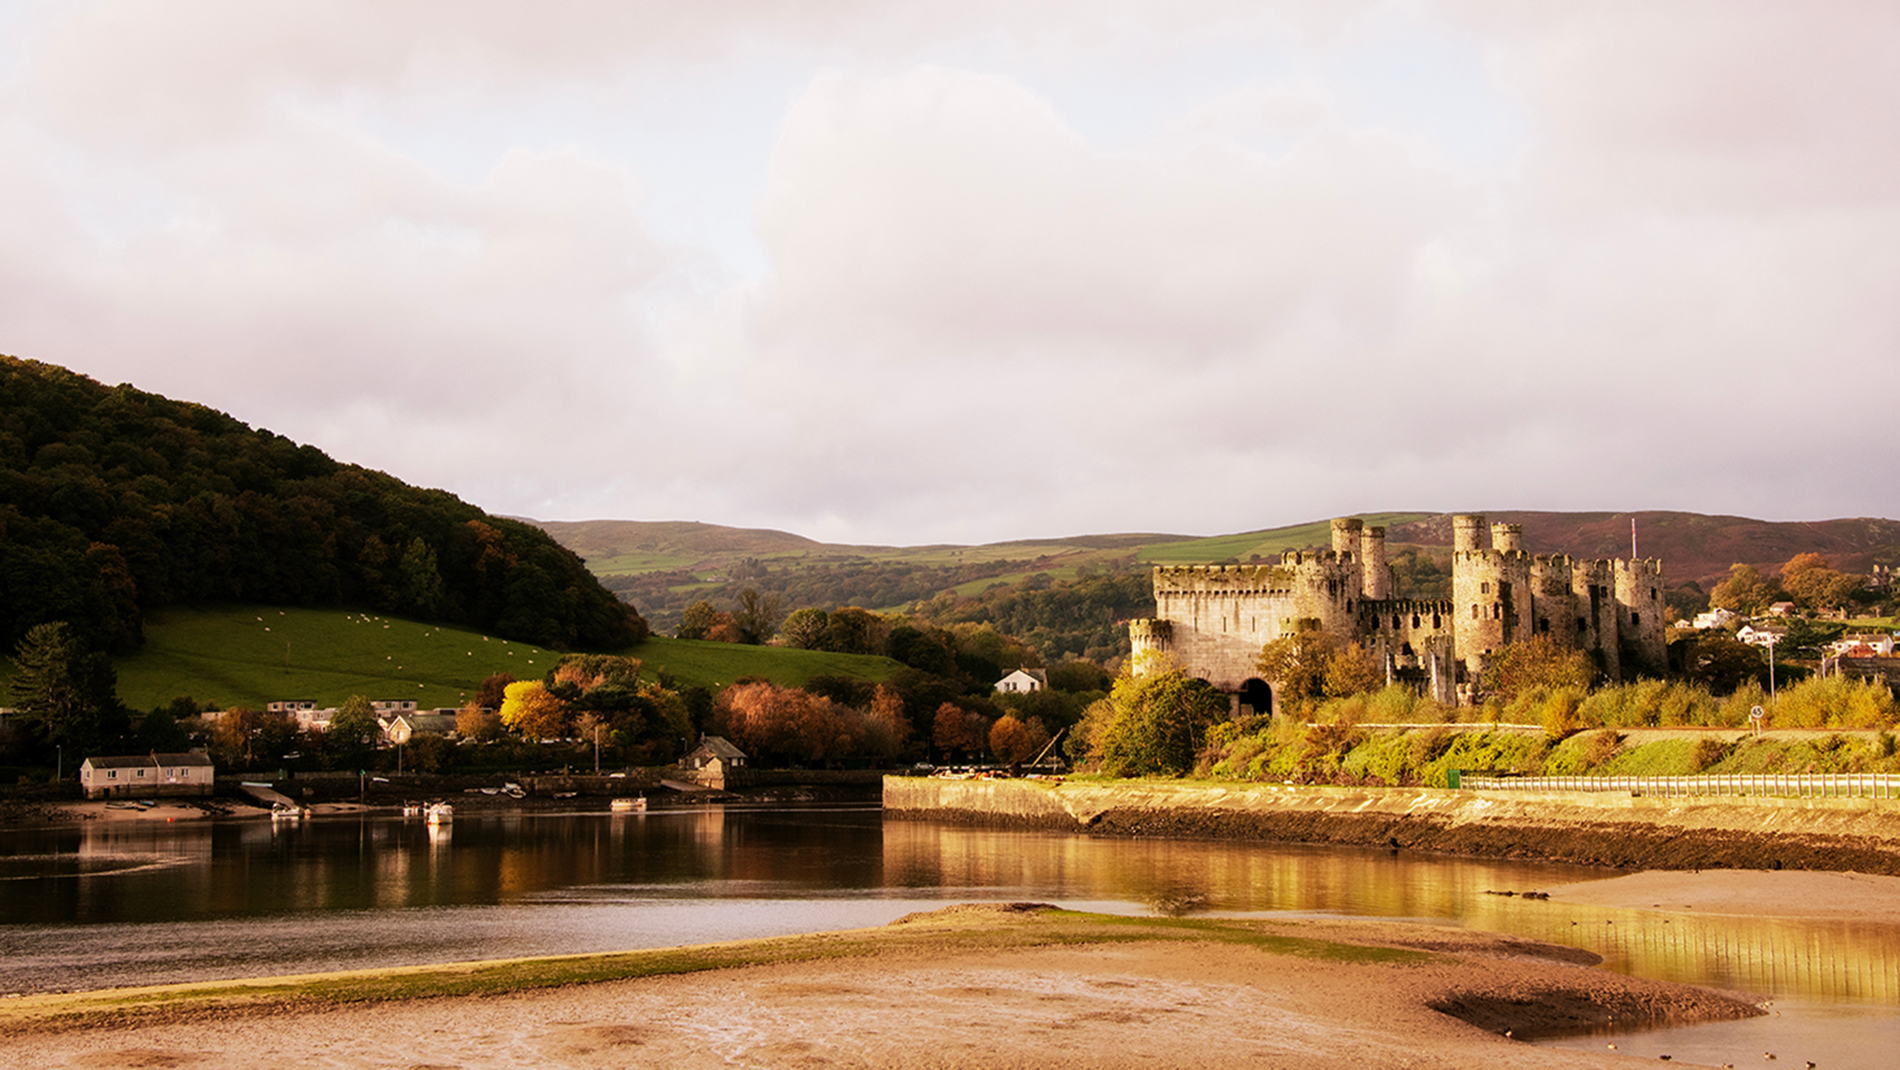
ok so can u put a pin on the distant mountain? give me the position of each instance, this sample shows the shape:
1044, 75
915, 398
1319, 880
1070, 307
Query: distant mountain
114, 501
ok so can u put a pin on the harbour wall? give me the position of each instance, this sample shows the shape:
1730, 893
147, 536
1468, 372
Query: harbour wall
1589, 828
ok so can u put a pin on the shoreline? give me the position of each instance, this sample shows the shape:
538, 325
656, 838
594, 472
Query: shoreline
1021, 984
1597, 829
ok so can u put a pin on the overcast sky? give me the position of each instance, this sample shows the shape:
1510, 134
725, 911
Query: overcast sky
961, 271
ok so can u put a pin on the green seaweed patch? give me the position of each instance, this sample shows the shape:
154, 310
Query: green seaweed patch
1249, 935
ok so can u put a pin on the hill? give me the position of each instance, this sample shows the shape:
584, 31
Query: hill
1068, 595
241, 655
115, 503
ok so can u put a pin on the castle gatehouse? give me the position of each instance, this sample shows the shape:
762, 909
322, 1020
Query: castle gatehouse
1212, 620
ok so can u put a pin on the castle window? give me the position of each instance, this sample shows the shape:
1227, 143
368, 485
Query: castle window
1395, 622
1543, 625
1582, 625
1484, 588
1414, 620
1635, 619
1497, 611
1436, 623
1349, 605
1474, 612
1652, 594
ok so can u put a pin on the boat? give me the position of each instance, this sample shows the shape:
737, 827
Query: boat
441, 813
288, 812
623, 806
412, 809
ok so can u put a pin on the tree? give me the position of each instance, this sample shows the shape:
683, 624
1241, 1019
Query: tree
420, 590
1154, 723
1014, 742
1298, 663
1745, 591
531, 710
1351, 671
757, 617
696, 621
493, 691
1814, 585
68, 692
351, 737
805, 628
1537, 662
479, 721
1723, 664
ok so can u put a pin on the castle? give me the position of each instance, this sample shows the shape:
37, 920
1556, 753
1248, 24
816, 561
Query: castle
1212, 620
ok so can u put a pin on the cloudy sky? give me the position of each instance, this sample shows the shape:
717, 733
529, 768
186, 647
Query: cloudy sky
965, 271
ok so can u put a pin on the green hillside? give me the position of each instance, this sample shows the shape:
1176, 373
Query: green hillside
251, 655
1264, 544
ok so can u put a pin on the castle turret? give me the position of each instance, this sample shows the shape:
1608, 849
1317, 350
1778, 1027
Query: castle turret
1507, 537
1376, 573
1640, 611
1467, 532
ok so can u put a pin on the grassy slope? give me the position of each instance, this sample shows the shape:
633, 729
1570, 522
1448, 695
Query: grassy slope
250, 655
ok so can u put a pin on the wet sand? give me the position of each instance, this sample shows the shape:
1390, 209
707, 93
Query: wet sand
1858, 897
921, 996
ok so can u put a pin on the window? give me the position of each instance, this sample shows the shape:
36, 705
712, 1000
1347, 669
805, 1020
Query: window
1635, 619
1484, 588
141, 772
1414, 620
1474, 612
1582, 625
112, 774
1395, 622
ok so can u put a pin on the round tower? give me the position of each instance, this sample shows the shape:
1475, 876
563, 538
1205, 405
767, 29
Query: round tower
1346, 536
1467, 532
1377, 573
1507, 537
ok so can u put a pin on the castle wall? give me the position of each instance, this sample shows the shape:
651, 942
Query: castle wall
1212, 620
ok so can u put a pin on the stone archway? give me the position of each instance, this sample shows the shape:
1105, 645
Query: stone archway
1257, 696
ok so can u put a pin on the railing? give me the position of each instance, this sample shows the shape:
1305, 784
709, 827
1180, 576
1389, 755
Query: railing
1764, 785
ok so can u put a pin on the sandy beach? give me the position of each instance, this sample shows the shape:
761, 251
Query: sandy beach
962, 987
1858, 897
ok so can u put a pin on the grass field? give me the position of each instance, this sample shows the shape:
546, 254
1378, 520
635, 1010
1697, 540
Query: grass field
251, 655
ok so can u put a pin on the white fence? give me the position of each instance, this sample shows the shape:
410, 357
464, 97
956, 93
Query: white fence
1771, 785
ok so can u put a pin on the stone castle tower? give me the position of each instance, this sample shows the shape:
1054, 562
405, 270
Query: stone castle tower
1212, 620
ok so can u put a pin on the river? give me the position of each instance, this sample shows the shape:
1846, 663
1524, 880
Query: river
139, 902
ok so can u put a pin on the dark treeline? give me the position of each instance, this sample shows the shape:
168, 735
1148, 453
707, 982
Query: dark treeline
114, 501
1083, 617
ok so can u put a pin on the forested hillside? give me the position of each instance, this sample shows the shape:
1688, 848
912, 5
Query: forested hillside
114, 501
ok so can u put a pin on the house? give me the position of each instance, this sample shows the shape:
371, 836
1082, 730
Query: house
713, 760
1782, 609
404, 727
1762, 634
154, 774
1864, 645
1023, 680
1714, 618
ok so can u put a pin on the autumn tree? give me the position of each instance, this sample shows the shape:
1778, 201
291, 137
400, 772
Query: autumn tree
1745, 591
531, 710
479, 722
1014, 742
1299, 663
1351, 670
493, 690
243, 738
1534, 663
1814, 585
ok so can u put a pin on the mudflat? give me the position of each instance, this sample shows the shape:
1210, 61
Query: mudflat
995, 985
1863, 897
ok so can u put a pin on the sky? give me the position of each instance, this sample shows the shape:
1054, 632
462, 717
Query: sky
963, 271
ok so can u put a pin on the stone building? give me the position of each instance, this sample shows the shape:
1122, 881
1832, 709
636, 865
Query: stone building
1212, 620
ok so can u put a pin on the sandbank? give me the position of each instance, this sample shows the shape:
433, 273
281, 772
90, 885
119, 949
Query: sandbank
1859, 897
969, 986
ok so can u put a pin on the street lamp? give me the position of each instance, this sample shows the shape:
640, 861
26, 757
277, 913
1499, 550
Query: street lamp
1771, 667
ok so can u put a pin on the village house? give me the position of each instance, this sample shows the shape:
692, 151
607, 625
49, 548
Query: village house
713, 761
146, 775
1023, 680
1762, 634
404, 727
1715, 618
1863, 645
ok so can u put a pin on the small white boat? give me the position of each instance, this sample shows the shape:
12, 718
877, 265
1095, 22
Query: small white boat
441, 813
287, 812
412, 809
626, 806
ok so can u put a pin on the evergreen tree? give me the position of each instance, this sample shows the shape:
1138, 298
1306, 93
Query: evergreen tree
69, 693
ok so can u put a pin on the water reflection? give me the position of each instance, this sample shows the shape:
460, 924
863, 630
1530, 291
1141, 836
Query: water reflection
132, 902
